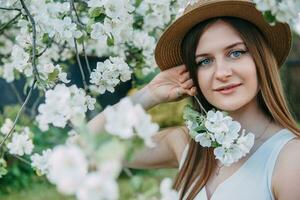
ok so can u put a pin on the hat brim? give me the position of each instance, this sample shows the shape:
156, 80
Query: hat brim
168, 48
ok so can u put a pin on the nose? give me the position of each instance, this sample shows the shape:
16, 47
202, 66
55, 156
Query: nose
223, 70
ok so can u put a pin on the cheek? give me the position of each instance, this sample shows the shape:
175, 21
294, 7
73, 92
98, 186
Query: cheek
204, 81
249, 75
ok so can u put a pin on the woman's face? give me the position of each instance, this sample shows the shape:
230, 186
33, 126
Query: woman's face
226, 70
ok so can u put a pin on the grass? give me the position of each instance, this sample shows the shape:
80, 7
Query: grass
143, 181
36, 191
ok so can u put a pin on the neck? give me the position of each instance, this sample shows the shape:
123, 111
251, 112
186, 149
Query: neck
251, 118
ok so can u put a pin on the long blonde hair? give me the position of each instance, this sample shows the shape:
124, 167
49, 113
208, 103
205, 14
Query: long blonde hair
200, 162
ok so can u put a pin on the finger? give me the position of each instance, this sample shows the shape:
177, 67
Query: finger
187, 84
181, 69
184, 77
191, 92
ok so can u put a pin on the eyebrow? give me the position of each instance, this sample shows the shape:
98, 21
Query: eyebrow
228, 47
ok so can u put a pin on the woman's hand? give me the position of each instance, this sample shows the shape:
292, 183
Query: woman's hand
172, 85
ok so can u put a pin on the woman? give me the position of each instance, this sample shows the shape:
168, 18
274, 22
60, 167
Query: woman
225, 54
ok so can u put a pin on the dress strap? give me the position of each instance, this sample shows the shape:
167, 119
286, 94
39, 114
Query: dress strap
283, 138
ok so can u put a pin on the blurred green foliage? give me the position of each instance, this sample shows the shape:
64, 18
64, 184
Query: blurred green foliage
21, 182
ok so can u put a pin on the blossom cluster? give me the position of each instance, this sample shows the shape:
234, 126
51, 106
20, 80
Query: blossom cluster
283, 11
219, 131
21, 142
117, 25
134, 120
63, 104
90, 171
108, 74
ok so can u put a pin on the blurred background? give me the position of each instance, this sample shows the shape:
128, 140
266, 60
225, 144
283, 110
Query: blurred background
31, 187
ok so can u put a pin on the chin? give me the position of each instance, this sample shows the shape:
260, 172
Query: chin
230, 107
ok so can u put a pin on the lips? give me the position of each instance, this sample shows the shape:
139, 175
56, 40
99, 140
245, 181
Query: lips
227, 87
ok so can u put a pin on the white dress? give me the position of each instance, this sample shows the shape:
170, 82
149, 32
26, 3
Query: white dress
252, 181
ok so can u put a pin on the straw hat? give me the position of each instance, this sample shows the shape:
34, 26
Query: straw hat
168, 48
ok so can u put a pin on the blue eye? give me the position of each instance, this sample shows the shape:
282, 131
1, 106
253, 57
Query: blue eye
236, 54
203, 62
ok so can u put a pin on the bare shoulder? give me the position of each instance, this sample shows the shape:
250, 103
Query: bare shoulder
286, 179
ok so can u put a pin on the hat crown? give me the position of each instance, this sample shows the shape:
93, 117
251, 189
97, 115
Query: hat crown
200, 3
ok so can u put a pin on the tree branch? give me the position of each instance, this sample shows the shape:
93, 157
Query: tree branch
15, 90
86, 58
19, 113
17, 9
2, 28
31, 19
72, 7
79, 23
80, 65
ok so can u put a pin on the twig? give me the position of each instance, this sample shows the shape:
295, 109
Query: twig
80, 65
201, 106
86, 58
72, 7
17, 9
35, 104
79, 23
19, 113
9, 22
31, 19
21, 159
77, 16
14, 89
44, 50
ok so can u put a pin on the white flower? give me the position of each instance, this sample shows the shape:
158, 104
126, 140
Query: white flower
68, 166
7, 126
232, 134
284, 11
20, 144
156, 14
216, 122
109, 73
73, 103
236, 150
97, 186
133, 119
221, 133
95, 3
225, 130
8, 72
228, 155
166, 191
245, 142
145, 128
121, 125
40, 162
46, 69
204, 139
99, 32
110, 162
288, 11
265, 5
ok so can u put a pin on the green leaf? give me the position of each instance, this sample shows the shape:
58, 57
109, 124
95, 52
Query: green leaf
46, 39
53, 76
96, 12
110, 41
269, 17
